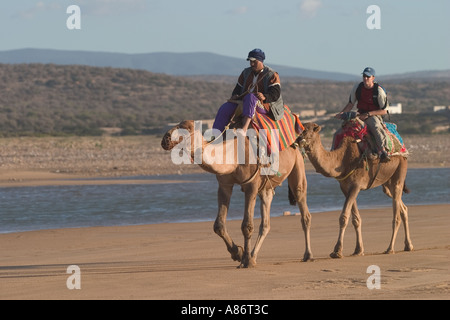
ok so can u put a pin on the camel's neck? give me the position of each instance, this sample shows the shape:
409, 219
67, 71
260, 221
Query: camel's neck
330, 163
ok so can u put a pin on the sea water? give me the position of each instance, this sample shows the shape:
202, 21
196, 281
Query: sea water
195, 199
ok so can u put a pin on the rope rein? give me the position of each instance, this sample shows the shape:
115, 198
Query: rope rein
348, 175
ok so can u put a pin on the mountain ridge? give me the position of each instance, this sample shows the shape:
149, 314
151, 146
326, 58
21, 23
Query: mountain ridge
180, 64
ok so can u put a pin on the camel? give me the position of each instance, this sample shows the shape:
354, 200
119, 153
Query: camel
252, 182
346, 165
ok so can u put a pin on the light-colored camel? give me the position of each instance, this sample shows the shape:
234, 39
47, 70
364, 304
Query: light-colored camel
346, 166
252, 182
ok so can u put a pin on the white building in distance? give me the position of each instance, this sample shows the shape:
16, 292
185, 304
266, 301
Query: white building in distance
440, 108
395, 108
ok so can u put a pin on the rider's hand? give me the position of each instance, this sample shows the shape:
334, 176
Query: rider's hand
363, 116
260, 96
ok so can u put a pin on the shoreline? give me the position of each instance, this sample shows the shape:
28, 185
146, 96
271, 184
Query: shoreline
39, 179
211, 221
35, 178
58, 160
185, 261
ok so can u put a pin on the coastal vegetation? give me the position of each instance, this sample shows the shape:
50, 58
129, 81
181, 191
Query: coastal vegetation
55, 100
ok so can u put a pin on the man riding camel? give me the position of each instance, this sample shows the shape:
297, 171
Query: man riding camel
260, 91
371, 102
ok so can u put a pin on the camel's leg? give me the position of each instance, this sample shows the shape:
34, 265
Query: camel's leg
404, 215
395, 225
266, 197
357, 221
343, 221
400, 214
298, 184
396, 190
251, 192
224, 196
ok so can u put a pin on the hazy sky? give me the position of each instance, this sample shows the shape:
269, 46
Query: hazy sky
328, 35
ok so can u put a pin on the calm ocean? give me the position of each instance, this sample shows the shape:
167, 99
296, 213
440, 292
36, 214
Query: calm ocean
35, 208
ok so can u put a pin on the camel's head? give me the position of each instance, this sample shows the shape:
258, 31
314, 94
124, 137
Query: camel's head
177, 134
311, 129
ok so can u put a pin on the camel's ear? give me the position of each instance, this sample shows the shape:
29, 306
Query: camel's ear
317, 128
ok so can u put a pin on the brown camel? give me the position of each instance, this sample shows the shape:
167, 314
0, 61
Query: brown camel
346, 165
249, 176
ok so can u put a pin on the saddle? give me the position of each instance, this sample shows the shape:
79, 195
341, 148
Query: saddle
355, 128
277, 134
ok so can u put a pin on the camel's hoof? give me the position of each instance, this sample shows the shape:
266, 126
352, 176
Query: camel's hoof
307, 257
336, 255
409, 247
237, 253
389, 251
358, 253
241, 266
247, 265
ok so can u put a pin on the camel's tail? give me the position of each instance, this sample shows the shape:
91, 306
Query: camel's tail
405, 189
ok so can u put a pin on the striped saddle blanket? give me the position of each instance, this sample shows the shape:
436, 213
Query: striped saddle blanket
280, 134
356, 130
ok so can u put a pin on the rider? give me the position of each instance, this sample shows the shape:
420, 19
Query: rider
371, 102
259, 88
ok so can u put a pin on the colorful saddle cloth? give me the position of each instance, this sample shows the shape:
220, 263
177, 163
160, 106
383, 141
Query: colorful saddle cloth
358, 131
286, 130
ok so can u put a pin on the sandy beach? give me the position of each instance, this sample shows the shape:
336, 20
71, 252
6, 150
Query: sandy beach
188, 260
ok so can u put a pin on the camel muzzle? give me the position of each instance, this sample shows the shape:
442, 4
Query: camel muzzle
166, 142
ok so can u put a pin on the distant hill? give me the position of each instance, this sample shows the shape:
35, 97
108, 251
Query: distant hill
425, 75
49, 99
187, 64
180, 64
